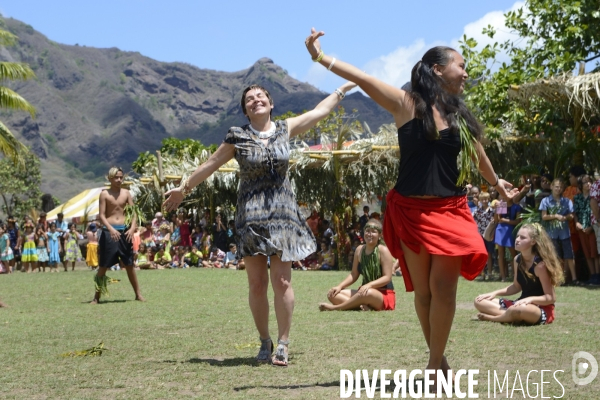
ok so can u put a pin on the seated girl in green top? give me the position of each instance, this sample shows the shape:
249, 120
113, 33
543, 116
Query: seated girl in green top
374, 262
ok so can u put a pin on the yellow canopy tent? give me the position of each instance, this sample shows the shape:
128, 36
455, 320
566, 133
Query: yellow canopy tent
85, 203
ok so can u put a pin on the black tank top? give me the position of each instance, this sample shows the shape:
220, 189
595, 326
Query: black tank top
427, 167
529, 286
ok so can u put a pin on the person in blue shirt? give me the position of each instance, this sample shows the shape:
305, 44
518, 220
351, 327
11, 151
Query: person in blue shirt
557, 211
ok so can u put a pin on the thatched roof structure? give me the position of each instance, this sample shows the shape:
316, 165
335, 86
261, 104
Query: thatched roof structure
575, 96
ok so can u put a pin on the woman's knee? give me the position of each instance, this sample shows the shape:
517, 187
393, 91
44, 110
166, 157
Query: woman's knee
423, 297
281, 282
258, 286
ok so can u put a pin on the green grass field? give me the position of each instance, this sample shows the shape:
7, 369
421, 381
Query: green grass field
195, 338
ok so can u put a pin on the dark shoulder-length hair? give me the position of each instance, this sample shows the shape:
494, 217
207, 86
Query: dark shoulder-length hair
427, 91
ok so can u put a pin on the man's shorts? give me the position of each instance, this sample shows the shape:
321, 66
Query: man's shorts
564, 248
110, 251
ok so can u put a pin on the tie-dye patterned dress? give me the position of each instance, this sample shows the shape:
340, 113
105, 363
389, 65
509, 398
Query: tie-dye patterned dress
268, 220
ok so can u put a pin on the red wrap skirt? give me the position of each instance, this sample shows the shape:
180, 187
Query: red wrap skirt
443, 226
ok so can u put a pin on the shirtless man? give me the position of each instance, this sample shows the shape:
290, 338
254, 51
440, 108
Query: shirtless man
115, 244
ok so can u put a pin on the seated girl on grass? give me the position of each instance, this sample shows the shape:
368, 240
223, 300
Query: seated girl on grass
539, 271
374, 262
142, 260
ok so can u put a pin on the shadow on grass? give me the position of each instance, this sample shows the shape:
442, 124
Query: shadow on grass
107, 302
228, 362
590, 287
390, 387
287, 387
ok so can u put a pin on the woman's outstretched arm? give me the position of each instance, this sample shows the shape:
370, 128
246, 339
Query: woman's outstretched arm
487, 172
304, 122
224, 153
389, 97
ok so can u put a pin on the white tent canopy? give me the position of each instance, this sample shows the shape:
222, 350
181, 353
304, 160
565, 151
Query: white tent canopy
85, 203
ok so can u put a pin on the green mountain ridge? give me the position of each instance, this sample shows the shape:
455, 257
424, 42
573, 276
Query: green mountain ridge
102, 107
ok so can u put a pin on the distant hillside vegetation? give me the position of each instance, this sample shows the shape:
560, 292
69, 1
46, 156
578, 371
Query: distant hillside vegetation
102, 107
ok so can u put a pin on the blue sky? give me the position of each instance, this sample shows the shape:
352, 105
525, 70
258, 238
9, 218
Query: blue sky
385, 38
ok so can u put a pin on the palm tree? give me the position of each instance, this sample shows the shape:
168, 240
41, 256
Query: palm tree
9, 145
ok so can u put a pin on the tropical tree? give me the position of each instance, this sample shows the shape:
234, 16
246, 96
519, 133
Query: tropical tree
552, 38
20, 187
9, 99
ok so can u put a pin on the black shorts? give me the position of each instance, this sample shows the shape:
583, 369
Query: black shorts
110, 252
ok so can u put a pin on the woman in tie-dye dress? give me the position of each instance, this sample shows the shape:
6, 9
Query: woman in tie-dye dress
270, 227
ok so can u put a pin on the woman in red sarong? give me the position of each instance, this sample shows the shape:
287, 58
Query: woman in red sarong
428, 225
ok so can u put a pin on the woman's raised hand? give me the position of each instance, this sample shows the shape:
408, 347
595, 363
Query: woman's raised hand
175, 197
312, 42
346, 87
505, 189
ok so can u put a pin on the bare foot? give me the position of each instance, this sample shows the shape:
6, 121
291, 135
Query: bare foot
484, 317
325, 307
140, 298
3, 305
445, 367
95, 301
365, 307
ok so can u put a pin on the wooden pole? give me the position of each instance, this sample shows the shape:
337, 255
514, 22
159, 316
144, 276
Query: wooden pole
161, 176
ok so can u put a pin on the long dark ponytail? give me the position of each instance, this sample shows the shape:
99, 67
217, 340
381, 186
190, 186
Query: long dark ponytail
427, 90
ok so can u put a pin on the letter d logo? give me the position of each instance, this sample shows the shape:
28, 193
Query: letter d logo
582, 367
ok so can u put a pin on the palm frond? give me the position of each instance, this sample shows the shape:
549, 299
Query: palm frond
468, 152
11, 147
35, 215
15, 71
7, 38
134, 212
11, 99
86, 213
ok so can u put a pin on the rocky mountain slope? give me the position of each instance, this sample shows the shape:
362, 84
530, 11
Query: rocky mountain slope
102, 107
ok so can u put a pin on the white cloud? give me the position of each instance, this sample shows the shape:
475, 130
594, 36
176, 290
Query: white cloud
395, 68
316, 75
495, 19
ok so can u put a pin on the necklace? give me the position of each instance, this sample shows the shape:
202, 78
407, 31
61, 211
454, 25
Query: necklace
264, 135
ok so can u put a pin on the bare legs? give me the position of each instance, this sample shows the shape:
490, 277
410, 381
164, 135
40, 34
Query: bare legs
489, 310
349, 300
258, 282
569, 266
434, 279
502, 260
132, 279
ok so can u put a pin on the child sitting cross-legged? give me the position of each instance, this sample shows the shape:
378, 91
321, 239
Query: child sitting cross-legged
142, 259
215, 259
192, 256
162, 259
538, 272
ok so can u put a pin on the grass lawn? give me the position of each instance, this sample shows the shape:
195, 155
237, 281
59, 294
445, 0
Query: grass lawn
195, 338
